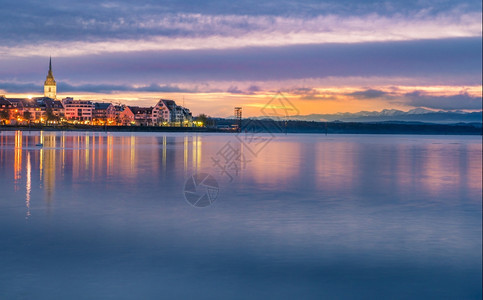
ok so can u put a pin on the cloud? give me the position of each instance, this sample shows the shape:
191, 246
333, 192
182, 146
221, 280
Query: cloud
368, 94
234, 90
63, 87
312, 94
457, 59
109, 88
453, 102
71, 33
15, 87
253, 89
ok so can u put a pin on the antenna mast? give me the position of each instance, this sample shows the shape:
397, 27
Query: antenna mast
238, 118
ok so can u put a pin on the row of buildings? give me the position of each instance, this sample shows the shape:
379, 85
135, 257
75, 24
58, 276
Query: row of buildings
48, 109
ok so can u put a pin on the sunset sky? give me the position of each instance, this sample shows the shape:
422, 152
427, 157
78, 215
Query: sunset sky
327, 57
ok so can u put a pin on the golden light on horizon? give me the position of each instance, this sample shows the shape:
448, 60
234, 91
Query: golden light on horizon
313, 100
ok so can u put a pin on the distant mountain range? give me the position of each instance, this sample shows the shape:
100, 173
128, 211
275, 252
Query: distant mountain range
388, 115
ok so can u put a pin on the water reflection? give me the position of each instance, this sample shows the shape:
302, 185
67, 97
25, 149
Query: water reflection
98, 158
376, 167
327, 212
28, 185
18, 158
332, 161
49, 164
278, 164
429, 167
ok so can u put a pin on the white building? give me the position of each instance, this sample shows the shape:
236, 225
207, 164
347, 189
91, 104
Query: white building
79, 110
166, 111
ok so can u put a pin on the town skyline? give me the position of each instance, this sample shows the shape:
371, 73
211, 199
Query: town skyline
49, 110
326, 58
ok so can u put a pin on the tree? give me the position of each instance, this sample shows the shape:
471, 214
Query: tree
206, 120
27, 115
49, 114
202, 118
4, 115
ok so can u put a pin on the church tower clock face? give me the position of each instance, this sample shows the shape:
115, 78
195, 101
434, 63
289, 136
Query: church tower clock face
50, 86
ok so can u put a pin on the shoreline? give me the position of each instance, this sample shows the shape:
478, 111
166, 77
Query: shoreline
320, 128
97, 128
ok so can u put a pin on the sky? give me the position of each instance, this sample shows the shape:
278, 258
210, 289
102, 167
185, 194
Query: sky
324, 56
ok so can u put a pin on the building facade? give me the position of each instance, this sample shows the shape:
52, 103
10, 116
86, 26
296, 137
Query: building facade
166, 112
142, 115
114, 114
78, 110
99, 114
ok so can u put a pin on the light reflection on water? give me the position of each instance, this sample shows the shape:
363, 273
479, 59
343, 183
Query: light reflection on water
103, 214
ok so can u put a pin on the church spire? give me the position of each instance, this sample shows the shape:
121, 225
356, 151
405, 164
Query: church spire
50, 86
50, 75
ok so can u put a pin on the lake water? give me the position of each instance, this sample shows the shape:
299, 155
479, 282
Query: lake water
104, 216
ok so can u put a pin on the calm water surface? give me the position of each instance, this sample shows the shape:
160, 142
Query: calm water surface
103, 216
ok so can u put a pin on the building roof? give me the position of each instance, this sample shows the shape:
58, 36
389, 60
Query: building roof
23, 102
37, 102
70, 100
141, 110
4, 102
55, 104
117, 107
101, 106
170, 104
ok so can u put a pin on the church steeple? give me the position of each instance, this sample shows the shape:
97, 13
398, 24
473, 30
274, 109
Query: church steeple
50, 86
